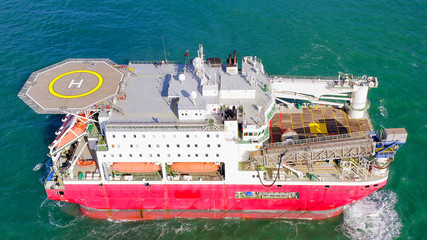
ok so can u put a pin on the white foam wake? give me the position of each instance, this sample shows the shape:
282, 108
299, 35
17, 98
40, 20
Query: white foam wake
37, 167
374, 217
382, 109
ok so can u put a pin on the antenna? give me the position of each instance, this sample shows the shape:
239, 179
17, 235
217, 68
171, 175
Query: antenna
181, 77
193, 97
164, 49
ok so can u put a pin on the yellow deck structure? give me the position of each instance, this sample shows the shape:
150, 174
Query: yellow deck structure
319, 122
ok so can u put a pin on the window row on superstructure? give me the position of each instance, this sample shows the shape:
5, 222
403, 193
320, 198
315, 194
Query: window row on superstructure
160, 155
169, 145
162, 136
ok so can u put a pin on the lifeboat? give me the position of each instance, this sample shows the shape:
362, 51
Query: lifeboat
70, 134
190, 167
83, 117
136, 167
85, 163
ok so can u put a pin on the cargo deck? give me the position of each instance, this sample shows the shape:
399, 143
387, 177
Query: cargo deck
316, 122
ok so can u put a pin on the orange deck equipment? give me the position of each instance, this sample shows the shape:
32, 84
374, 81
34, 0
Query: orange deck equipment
189, 167
136, 167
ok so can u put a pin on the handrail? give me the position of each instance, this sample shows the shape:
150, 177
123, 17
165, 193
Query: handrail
313, 77
153, 62
318, 139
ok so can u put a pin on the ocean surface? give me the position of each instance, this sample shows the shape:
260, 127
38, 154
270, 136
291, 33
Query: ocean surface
387, 39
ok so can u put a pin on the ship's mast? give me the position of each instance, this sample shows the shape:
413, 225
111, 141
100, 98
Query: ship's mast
201, 70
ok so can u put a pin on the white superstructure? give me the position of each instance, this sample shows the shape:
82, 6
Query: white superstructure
197, 113
202, 112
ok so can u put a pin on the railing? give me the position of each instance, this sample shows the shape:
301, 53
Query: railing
318, 139
102, 147
386, 154
159, 127
304, 77
266, 135
194, 178
329, 78
153, 62
371, 126
134, 177
366, 107
271, 113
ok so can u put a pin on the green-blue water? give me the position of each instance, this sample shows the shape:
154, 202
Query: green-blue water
381, 38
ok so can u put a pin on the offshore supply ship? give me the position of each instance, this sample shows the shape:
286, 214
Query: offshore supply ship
207, 139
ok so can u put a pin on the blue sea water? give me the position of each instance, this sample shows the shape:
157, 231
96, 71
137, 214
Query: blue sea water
381, 38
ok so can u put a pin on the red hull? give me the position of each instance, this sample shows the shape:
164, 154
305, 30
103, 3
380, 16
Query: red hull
137, 201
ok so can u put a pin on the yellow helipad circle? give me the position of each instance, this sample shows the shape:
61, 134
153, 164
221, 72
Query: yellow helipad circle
100, 82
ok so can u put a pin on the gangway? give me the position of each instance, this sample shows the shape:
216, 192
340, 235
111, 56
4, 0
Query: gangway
309, 152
